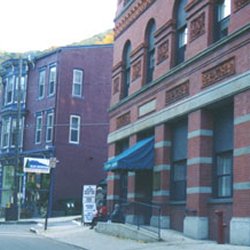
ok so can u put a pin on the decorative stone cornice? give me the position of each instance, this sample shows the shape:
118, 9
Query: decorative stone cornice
132, 14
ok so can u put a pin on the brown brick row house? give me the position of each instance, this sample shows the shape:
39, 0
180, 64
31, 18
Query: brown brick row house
65, 117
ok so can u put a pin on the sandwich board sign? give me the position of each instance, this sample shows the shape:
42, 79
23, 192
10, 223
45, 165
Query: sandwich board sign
88, 202
36, 165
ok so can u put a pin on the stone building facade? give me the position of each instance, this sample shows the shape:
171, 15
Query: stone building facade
181, 73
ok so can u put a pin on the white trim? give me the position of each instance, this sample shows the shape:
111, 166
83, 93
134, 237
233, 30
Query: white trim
41, 83
200, 132
76, 82
78, 129
51, 126
199, 190
38, 129
52, 80
163, 144
161, 167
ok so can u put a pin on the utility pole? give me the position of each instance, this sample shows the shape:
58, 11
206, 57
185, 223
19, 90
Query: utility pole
17, 141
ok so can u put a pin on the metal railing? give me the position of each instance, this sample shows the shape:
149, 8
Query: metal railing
146, 216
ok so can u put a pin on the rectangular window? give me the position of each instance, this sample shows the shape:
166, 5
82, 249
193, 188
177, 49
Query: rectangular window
49, 127
223, 152
13, 134
179, 161
182, 42
222, 13
22, 89
52, 80
77, 83
9, 90
74, 133
41, 87
179, 180
224, 164
38, 132
157, 181
5, 132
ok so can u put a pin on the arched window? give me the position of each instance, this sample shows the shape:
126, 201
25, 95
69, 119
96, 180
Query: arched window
181, 31
126, 69
150, 56
222, 17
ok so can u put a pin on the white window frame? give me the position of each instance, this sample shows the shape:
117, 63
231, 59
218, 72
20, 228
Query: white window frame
38, 131
52, 81
49, 126
41, 84
73, 128
77, 82
10, 82
22, 88
5, 131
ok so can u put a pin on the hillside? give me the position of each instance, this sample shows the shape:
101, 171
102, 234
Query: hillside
102, 38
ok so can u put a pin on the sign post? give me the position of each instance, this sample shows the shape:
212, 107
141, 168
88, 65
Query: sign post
88, 203
42, 166
52, 166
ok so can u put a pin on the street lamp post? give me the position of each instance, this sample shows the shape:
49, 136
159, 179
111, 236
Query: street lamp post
18, 136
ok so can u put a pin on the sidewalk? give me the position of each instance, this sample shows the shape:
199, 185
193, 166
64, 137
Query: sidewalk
82, 236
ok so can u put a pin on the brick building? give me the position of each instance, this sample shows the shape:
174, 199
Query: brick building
68, 94
181, 74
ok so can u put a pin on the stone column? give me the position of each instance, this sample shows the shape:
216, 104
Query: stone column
131, 216
240, 223
199, 165
161, 173
112, 183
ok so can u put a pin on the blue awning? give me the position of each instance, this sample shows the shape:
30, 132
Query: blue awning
138, 157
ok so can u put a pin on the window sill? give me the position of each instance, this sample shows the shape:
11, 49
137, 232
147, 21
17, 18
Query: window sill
220, 201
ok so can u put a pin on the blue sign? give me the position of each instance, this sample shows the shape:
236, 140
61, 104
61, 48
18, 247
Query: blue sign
36, 165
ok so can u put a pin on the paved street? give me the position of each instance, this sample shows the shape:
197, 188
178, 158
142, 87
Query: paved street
65, 234
19, 237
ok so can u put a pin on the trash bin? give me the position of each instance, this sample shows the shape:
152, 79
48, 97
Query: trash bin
11, 213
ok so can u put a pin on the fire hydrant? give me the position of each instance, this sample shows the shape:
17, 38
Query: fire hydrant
220, 227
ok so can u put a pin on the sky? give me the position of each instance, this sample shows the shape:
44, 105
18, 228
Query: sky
40, 24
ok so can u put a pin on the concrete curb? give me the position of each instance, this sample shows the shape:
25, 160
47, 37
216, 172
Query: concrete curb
17, 222
33, 230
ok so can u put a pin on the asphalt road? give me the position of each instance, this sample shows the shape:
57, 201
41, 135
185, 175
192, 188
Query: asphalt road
18, 237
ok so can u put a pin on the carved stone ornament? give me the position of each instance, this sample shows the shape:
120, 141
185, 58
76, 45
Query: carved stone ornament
123, 120
116, 84
162, 51
197, 27
132, 14
177, 93
136, 70
219, 72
